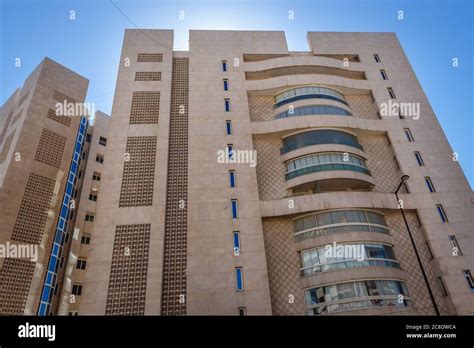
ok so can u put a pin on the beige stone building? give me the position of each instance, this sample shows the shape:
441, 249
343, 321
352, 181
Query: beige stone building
243, 178
43, 155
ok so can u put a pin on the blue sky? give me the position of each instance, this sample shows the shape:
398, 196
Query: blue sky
432, 34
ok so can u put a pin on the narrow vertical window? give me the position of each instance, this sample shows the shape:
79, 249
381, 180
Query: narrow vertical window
442, 213
228, 127
429, 183
232, 178
239, 278
377, 58
391, 93
236, 243
226, 84
470, 281
242, 311
235, 213
224, 65
230, 151
408, 134
419, 159
455, 245
383, 74
227, 104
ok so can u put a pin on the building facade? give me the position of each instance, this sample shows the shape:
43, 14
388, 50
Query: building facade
42, 158
243, 178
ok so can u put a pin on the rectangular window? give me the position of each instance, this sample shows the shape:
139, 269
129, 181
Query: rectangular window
442, 213
232, 178
242, 311
468, 276
85, 239
76, 289
96, 176
71, 215
419, 159
79, 174
228, 127
93, 196
230, 150
429, 183
226, 84
384, 74
102, 141
444, 292
81, 264
73, 313
89, 217
83, 155
239, 278
455, 245
99, 158
88, 137
235, 213
227, 104
408, 134
236, 243
224, 65
377, 58
391, 93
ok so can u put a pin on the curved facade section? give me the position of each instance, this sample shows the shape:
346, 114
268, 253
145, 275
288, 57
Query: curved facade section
312, 110
329, 161
303, 70
308, 92
319, 136
347, 255
339, 221
349, 296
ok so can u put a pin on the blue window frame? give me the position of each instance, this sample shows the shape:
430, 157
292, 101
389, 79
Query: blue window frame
419, 159
226, 84
441, 213
230, 150
232, 178
235, 208
236, 242
224, 65
239, 277
228, 127
430, 185
227, 104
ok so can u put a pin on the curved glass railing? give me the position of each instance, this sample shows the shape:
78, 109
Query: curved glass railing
338, 221
323, 162
342, 256
319, 137
308, 92
312, 110
342, 297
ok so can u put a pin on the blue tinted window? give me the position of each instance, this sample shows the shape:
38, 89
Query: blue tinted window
236, 241
232, 178
224, 65
227, 105
239, 278
234, 209
228, 126
230, 150
316, 137
314, 110
226, 85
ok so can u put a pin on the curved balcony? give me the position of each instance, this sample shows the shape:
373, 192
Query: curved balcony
304, 70
364, 294
308, 92
324, 162
350, 255
338, 221
317, 137
313, 110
